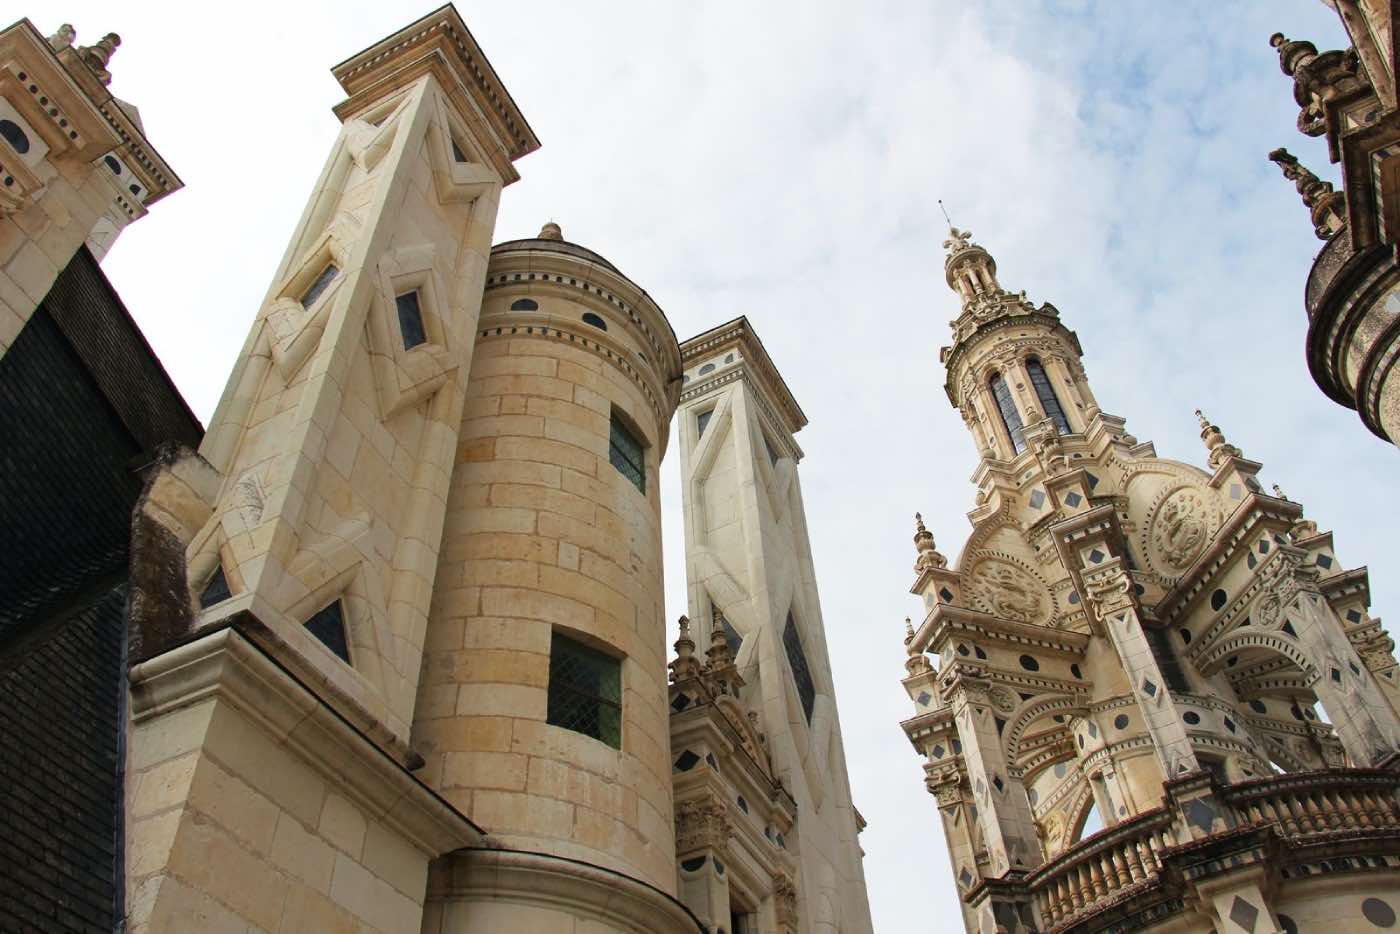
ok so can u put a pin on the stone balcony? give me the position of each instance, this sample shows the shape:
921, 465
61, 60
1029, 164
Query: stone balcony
1142, 873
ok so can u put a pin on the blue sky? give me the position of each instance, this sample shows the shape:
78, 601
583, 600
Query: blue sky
784, 161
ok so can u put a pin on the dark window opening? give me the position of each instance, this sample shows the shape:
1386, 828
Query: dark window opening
15, 136
590, 318
328, 625
797, 661
627, 454
585, 691
1046, 394
112, 163
457, 154
1010, 418
772, 454
701, 421
524, 304
1167, 661
216, 591
327, 276
410, 320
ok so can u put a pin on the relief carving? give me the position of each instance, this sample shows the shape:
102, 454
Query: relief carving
1001, 588
1179, 530
702, 823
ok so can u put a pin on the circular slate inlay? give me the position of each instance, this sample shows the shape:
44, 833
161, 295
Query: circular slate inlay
1121, 721
1029, 663
1218, 599
1191, 717
1378, 912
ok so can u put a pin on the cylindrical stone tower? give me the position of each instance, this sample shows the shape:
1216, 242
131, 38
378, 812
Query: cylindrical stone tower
543, 708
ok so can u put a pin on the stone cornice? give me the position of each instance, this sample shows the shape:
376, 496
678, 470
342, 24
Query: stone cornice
225, 666
946, 621
521, 877
441, 34
771, 386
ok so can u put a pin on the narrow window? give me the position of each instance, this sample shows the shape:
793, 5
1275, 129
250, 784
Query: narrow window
797, 661
328, 625
627, 454
327, 276
1168, 664
216, 591
410, 320
1009, 416
597, 322
1046, 394
585, 690
457, 153
701, 421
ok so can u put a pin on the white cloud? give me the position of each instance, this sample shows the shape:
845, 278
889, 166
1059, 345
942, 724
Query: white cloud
784, 161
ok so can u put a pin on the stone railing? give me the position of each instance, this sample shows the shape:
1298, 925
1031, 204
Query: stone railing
1100, 867
1139, 858
1317, 802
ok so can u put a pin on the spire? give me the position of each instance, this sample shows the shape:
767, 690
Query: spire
1215, 442
972, 272
1328, 208
1302, 528
685, 664
1318, 78
98, 56
63, 38
917, 662
1292, 55
929, 556
551, 231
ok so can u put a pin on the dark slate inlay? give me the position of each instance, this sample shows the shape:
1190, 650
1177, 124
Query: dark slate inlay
1191, 717
686, 761
1251, 561
1149, 688
1074, 670
1378, 912
1288, 924
680, 703
216, 591
1288, 628
691, 865
1258, 706
923, 698
965, 877
410, 319
1218, 599
1074, 597
743, 805
1121, 721
1073, 499
1029, 663
937, 751
1186, 636
1200, 814
1244, 914
1093, 480
977, 650
1353, 616
710, 761
945, 594
1037, 499
1096, 556
1324, 561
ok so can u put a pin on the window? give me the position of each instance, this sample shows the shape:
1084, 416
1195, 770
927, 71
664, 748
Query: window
524, 304
410, 320
15, 136
216, 591
590, 318
1046, 394
772, 454
797, 661
457, 154
585, 690
701, 421
327, 276
328, 625
112, 164
1009, 416
1167, 663
627, 454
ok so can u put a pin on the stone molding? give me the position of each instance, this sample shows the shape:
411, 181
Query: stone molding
227, 667
540, 880
772, 389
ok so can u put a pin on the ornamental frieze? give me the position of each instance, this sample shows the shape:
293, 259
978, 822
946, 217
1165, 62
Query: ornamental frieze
1179, 529
1003, 589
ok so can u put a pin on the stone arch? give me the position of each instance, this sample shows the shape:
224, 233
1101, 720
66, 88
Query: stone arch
1033, 710
1272, 642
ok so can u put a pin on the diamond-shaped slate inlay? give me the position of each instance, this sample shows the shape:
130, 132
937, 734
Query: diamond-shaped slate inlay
1353, 616
965, 877
923, 698
1244, 914
1200, 814
710, 760
1093, 480
938, 751
1324, 561
680, 703
1073, 499
1037, 499
686, 761
1149, 688
1096, 556
946, 594
1001, 786
1288, 628
1378, 912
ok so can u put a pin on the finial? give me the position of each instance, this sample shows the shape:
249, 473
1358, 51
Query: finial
958, 240
1215, 442
97, 57
923, 543
63, 38
1280, 494
684, 665
1327, 207
1292, 55
916, 663
908, 630
719, 653
551, 231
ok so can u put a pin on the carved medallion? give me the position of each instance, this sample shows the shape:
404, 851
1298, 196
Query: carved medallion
1002, 699
1268, 610
1179, 531
1005, 590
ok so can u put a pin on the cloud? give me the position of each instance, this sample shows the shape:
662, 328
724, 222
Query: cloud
784, 161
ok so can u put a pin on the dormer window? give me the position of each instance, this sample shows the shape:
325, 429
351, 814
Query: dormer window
323, 281
1010, 418
410, 320
1046, 394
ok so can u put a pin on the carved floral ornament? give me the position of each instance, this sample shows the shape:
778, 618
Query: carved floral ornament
1003, 589
702, 823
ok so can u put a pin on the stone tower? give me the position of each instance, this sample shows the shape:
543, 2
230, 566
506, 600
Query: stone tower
753, 588
1147, 640
75, 164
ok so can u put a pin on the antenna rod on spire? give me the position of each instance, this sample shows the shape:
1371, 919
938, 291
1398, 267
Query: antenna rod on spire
945, 212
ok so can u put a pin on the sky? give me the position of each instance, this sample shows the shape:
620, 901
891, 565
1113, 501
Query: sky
784, 161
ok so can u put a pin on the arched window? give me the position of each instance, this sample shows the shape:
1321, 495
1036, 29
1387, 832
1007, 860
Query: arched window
1046, 394
1009, 416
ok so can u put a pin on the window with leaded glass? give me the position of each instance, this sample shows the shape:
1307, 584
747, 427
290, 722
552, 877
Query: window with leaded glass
627, 454
1046, 394
585, 690
1009, 416
701, 421
410, 320
323, 281
797, 661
